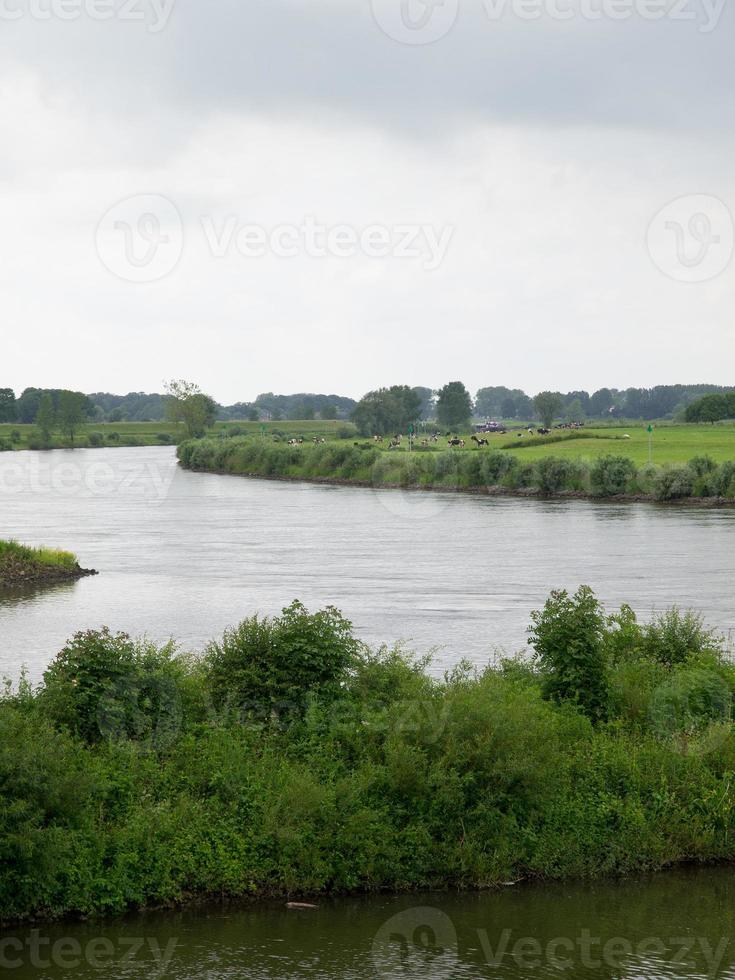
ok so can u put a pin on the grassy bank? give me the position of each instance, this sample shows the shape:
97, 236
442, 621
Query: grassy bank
511, 470
20, 565
291, 760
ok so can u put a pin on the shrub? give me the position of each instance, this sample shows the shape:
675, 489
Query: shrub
280, 661
96, 439
689, 701
496, 466
108, 686
674, 637
702, 465
567, 636
612, 475
675, 483
555, 474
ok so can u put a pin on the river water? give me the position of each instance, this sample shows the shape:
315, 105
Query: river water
185, 555
673, 925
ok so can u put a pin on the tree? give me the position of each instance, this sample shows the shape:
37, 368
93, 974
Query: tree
454, 405
188, 405
568, 637
575, 411
329, 413
46, 417
253, 415
71, 413
548, 405
8, 411
387, 410
426, 409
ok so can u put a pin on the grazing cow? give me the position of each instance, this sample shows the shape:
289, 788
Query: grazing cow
480, 442
456, 443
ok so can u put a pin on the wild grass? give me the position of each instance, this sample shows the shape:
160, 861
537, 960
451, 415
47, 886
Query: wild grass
52, 557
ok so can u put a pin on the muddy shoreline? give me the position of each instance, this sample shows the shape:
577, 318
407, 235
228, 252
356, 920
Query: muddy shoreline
14, 573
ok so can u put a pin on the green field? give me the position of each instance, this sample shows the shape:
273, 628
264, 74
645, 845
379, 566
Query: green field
671, 444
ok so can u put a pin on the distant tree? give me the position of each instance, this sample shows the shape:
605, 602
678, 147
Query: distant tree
508, 407
46, 417
454, 405
253, 415
601, 403
71, 413
188, 405
387, 410
8, 410
329, 412
575, 412
426, 408
548, 405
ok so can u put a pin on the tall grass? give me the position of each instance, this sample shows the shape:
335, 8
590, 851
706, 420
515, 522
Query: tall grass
12, 550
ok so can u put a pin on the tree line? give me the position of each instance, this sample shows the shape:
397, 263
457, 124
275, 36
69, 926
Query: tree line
394, 407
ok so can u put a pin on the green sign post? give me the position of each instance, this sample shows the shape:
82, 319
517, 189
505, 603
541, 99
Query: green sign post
650, 444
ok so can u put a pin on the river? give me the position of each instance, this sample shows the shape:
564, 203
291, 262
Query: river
673, 925
185, 555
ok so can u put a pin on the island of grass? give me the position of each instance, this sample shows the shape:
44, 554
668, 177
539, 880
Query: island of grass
21, 565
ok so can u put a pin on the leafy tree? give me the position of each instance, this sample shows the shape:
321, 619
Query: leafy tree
188, 405
601, 403
548, 405
71, 413
46, 417
253, 415
568, 638
329, 413
387, 410
454, 405
575, 411
8, 410
426, 409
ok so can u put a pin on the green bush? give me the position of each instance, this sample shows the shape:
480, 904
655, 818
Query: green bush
567, 636
675, 483
612, 475
108, 686
264, 663
673, 638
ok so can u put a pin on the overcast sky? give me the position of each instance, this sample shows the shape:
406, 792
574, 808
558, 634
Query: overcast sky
334, 195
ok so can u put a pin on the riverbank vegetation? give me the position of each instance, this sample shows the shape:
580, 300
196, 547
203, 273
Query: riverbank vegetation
290, 759
486, 470
21, 565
